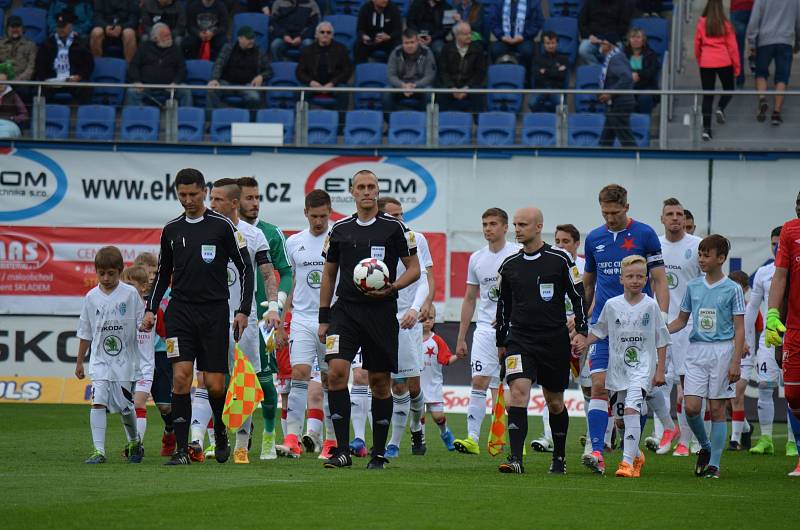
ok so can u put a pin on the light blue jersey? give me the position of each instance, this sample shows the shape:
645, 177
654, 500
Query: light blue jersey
713, 307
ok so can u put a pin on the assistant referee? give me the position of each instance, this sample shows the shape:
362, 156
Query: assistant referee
532, 334
195, 250
363, 321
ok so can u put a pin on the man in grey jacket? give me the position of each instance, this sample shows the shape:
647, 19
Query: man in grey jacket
410, 65
773, 32
616, 75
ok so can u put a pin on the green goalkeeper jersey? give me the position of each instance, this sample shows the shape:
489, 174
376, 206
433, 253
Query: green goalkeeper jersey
277, 251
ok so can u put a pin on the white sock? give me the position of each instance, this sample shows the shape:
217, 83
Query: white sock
546, 423
201, 414
330, 434
243, 434
610, 431
633, 431
417, 410
400, 411
141, 425
736, 430
789, 431
766, 410
314, 427
586, 412
129, 424
359, 406
296, 407
97, 421
475, 413
686, 431
659, 404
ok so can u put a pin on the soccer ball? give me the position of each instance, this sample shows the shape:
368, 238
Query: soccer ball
371, 275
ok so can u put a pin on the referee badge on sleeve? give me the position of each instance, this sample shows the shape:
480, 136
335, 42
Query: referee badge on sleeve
514, 364
332, 345
575, 275
241, 240
411, 239
172, 348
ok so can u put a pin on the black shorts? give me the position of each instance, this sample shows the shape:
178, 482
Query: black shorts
198, 332
162, 380
543, 359
373, 327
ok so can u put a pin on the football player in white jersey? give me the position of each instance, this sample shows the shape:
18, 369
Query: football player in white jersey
412, 304
482, 284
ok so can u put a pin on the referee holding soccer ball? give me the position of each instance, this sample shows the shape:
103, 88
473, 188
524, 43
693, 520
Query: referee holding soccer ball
363, 320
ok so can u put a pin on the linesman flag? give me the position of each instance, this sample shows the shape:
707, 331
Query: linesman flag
498, 429
244, 392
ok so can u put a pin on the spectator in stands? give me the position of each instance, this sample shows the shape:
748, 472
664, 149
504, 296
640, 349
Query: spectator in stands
410, 65
170, 12
471, 12
379, 27
516, 23
717, 56
292, 26
325, 64
462, 64
616, 75
740, 17
64, 57
259, 6
601, 17
645, 67
549, 70
240, 63
20, 52
206, 29
426, 18
13, 113
774, 31
650, 8
115, 20
157, 61
82, 9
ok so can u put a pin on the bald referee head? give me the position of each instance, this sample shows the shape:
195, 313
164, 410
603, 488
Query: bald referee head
528, 223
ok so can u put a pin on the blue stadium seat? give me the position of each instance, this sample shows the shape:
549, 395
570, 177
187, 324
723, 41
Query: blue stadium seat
344, 29
583, 130
496, 128
56, 122
322, 127
565, 8
191, 124
538, 129
198, 73
657, 31
567, 30
370, 75
587, 77
640, 126
455, 128
95, 122
108, 70
505, 76
345, 7
4, 4
363, 127
284, 116
407, 127
221, 119
260, 24
35, 22
139, 123
283, 74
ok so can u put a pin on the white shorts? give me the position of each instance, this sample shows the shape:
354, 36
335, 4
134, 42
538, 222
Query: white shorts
409, 353
483, 357
304, 345
747, 367
143, 385
248, 343
116, 396
676, 354
632, 398
282, 386
707, 366
767, 369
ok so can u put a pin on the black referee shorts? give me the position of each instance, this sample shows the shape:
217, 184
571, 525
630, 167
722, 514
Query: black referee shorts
544, 359
198, 332
373, 327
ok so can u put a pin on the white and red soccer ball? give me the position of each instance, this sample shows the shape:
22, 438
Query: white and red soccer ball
371, 275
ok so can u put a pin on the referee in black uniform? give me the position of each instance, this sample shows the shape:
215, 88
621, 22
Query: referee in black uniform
361, 321
532, 334
195, 250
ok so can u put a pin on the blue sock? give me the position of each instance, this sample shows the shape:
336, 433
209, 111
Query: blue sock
699, 430
598, 421
719, 431
642, 421
794, 424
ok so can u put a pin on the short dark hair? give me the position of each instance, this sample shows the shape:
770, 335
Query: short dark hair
776, 232
409, 33
109, 258
741, 278
717, 243
188, 176
496, 212
550, 35
317, 198
688, 214
383, 201
571, 230
613, 193
234, 191
672, 201
247, 182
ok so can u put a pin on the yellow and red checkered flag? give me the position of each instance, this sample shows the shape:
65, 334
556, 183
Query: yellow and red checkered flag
498, 429
244, 392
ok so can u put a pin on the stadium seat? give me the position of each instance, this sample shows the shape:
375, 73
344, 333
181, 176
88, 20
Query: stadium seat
219, 130
345, 7
505, 76
455, 128
657, 31
363, 127
284, 116
283, 74
567, 30
56, 122
370, 75
407, 127
2, 20
538, 129
4, 4
587, 77
35, 22
260, 24
95, 122
322, 127
583, 130
496, 128
565, 8
139, 123
640, 126
344, 29
198, 72
108, 70
191, 124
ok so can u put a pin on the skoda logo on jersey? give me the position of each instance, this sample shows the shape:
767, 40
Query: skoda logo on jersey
672, 280
494, 293
546, 291
406, 180
314, 279
31, 184
231, 275
631, 356
207, 252
112, 345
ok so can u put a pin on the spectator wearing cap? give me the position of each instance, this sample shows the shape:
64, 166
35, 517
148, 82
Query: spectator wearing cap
410, 65
82, 9
158, 61
462, 65
20, 52
325, 64
644, 69
292, 25
549, 70
601, 17
379, 27
206, 29
170, 12
13, 113
515, 23
65, 58
240, 63
616, 75
426, 17
115, 20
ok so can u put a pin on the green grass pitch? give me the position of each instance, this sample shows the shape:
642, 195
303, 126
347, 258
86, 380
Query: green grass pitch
46, 485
